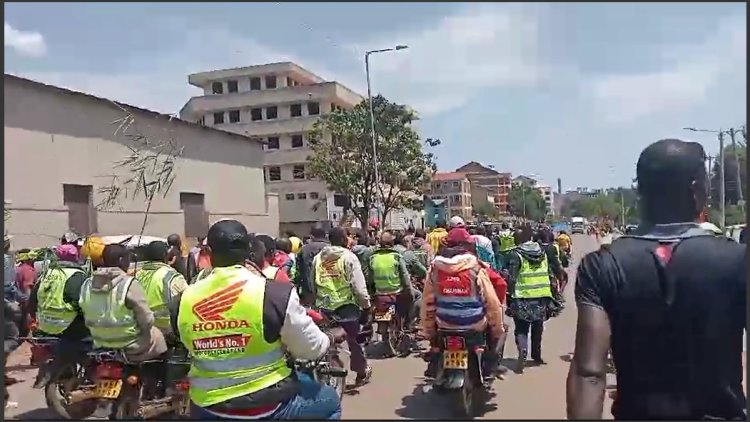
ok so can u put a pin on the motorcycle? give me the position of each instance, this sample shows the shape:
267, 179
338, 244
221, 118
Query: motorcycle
61, 380
390, 326
127, 390
460, 373
329, 369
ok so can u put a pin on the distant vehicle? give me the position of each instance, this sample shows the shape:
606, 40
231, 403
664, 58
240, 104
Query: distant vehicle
733, 232
578, 225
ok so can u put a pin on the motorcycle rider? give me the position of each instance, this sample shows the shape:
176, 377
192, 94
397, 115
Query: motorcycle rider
507, 243
459, 293
116, 311
435, 237
417, 271
270, 271
388, 277
341, 289
161, 283
53, 304
236, 326
283, 257
530, 295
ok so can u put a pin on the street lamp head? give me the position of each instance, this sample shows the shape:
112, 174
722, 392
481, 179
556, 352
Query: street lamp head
401, 47
690, 128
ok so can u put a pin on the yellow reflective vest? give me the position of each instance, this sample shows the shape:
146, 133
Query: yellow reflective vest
112, 324
155, 278
53, 313
333, 290
533, 281
220, 322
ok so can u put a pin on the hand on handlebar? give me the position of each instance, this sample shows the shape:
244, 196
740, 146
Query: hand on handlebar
338, 334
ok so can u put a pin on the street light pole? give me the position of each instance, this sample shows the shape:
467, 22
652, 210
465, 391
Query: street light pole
372, 126
722, 189
732, 133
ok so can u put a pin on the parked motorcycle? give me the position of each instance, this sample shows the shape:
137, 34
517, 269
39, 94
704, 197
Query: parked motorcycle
62, 379
390, 327
460, 373
329, 369
127, 390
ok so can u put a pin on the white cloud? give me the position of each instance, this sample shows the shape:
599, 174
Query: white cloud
161, 83
688, 75
480, 47
26, 43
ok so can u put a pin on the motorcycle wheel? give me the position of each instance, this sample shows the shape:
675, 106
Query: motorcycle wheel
390, 338
55, 393
337, 383
127, 405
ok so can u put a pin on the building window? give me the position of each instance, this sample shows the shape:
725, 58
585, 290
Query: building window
290, 197
299, 171
81, 212
273, 142
271, 112
295, 110
456, 184
202, 121
274, 173
297, 141
231, 86
291, 82
271, 82
256, 114
234, 116
218, 118
334, 107
217, 88
254, 84
314, 195
194, 211
302, 195
340, 200
313, 108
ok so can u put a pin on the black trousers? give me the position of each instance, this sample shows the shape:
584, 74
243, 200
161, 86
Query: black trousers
522, 337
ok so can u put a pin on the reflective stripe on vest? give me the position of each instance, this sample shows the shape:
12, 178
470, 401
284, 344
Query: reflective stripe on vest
384, 265
270, 272
112, 324
458, 310
333, 290
53, 313
155, 278
533, 282
221, 323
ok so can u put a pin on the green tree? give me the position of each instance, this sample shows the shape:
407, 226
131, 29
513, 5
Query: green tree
730, 176
526, 201
485, 211
342, 156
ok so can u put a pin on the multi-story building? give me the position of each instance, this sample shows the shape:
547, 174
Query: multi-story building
546, 192
455, 189
277, 103
497, 183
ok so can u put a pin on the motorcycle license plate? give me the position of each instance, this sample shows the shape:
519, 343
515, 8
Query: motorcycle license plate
108, 389
386, 316
455, 359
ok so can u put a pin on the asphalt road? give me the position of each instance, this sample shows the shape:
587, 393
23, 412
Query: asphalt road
398, 390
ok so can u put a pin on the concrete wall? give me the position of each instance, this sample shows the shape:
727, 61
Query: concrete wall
55, 137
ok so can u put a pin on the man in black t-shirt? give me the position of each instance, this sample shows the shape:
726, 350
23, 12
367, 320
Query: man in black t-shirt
669, 299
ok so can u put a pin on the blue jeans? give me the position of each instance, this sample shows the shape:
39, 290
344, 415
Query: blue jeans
314, 401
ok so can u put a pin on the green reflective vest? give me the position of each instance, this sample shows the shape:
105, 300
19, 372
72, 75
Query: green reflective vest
155, 278
384, 265
112, 324
533, 282
221, 323
53, 313
332, 288
507, 242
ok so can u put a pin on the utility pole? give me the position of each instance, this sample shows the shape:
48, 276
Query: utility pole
740, 201
722, 188
622, 208
710, 176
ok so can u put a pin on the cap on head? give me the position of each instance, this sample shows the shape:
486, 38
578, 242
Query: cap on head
457, 221
457, 237
227, 235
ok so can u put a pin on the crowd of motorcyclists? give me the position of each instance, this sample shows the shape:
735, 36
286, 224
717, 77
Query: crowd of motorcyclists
240, 330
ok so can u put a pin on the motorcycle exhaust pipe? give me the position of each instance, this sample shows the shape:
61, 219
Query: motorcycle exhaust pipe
80, 395
154, 408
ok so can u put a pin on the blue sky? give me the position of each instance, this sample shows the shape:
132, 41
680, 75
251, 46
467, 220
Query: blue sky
570, 90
